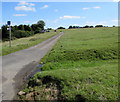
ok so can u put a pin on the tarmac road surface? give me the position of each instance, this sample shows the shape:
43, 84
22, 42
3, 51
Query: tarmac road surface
16, 66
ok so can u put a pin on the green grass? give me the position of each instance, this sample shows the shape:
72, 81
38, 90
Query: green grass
93, 83
23, 43
100, 43
82, 65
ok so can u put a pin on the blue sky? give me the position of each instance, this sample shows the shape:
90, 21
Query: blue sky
64, 14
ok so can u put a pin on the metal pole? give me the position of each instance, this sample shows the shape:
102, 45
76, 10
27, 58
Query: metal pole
10, 36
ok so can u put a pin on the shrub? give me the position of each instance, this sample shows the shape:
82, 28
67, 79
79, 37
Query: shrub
36, 31
5, 32
21, 34
60, 28
99, 26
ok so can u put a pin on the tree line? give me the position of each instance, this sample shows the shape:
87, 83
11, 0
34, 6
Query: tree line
23, 30
87, 26
29, 30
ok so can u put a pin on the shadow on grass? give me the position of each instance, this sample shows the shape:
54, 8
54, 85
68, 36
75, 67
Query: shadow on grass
53, 91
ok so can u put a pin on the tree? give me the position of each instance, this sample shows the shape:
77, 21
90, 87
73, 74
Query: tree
49, 28
38, 30
91, 26
27, 28
39, 27
86, 26
15, 27
5, 32
99, 26
22, 30
0, 34
41, 24
21, 34
34, 27
21, 27
70, 27
60, 28
74, 27
77, 27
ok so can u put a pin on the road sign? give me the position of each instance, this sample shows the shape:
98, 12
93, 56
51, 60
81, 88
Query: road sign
8, 22
8, 28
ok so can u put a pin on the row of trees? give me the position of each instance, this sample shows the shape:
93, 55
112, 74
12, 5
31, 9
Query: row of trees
23, 30
87, 26
28, 30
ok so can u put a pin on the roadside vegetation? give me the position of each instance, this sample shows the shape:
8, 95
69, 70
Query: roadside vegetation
20, 31
23, 36
82, 66
22, 43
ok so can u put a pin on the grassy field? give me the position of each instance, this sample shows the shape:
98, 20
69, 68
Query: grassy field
22, 43
82, 65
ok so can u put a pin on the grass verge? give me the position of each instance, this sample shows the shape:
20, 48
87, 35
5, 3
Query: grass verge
23, 43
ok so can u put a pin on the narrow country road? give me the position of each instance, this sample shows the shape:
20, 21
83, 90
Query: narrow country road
17, 65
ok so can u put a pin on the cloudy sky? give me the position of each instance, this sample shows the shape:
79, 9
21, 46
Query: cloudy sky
57, 14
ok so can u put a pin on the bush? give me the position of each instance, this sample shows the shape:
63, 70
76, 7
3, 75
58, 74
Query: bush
99, 26
21, 34
36, 31
5, 32
60, 28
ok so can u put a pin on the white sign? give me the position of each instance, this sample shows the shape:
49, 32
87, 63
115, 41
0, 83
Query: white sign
8, 28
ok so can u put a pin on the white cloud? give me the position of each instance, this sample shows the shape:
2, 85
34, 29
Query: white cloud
65, 17
69, 17
116, 0
44, 7
24, 8
116, 20
85, 8
25, 3
97, 7
19, 15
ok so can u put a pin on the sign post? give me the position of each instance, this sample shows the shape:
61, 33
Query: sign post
9, 23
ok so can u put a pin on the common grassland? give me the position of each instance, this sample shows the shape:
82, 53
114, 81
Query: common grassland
83, 65
22, 43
